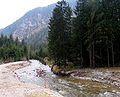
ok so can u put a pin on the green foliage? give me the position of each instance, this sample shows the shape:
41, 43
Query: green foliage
96, 27
12, 50
40, 52
59, 33
93, 39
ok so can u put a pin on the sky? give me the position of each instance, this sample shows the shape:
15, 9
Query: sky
11, 10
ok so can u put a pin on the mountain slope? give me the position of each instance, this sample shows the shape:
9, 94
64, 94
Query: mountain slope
32, 22
33, 26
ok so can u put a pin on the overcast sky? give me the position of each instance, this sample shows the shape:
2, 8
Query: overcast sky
11, 10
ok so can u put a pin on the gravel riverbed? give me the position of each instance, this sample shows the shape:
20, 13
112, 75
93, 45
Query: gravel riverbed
10, 86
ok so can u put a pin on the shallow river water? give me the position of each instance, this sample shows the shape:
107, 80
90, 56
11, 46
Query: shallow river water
40, 74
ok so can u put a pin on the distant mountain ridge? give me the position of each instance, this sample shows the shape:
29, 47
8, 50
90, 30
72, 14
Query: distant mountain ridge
32, 22
33, 25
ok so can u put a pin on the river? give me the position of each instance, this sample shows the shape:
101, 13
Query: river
40, 74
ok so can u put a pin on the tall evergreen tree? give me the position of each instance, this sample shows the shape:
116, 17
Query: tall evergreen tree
94, 39
95, 30
79, 30
59, 33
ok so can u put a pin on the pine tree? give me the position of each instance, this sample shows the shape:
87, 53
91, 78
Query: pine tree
96, 30
79, 30
59, 33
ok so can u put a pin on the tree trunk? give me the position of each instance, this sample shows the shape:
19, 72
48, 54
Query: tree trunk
93, 55
90, 55
101, 55
108, 57
81, 56
113, 56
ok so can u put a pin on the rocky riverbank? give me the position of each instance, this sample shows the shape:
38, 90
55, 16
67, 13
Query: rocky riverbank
10, 86
104, 75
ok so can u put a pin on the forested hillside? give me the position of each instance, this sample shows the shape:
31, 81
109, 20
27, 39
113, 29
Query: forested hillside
33, 25
89, 39
12, 50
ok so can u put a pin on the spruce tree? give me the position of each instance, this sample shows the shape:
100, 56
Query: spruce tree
79, 30
59, 33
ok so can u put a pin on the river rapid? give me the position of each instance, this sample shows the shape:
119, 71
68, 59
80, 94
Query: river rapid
40, 74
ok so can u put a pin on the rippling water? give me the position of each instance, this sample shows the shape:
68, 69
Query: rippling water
40, 74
